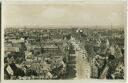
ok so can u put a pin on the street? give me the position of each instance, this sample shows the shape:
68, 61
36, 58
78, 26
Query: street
82, 65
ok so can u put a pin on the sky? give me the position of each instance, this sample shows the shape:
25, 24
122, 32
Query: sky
64, 14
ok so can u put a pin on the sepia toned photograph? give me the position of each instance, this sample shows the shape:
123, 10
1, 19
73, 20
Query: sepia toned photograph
75, 41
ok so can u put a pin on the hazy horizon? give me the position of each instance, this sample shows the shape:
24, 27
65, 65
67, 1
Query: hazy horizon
64, 14
65, 27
